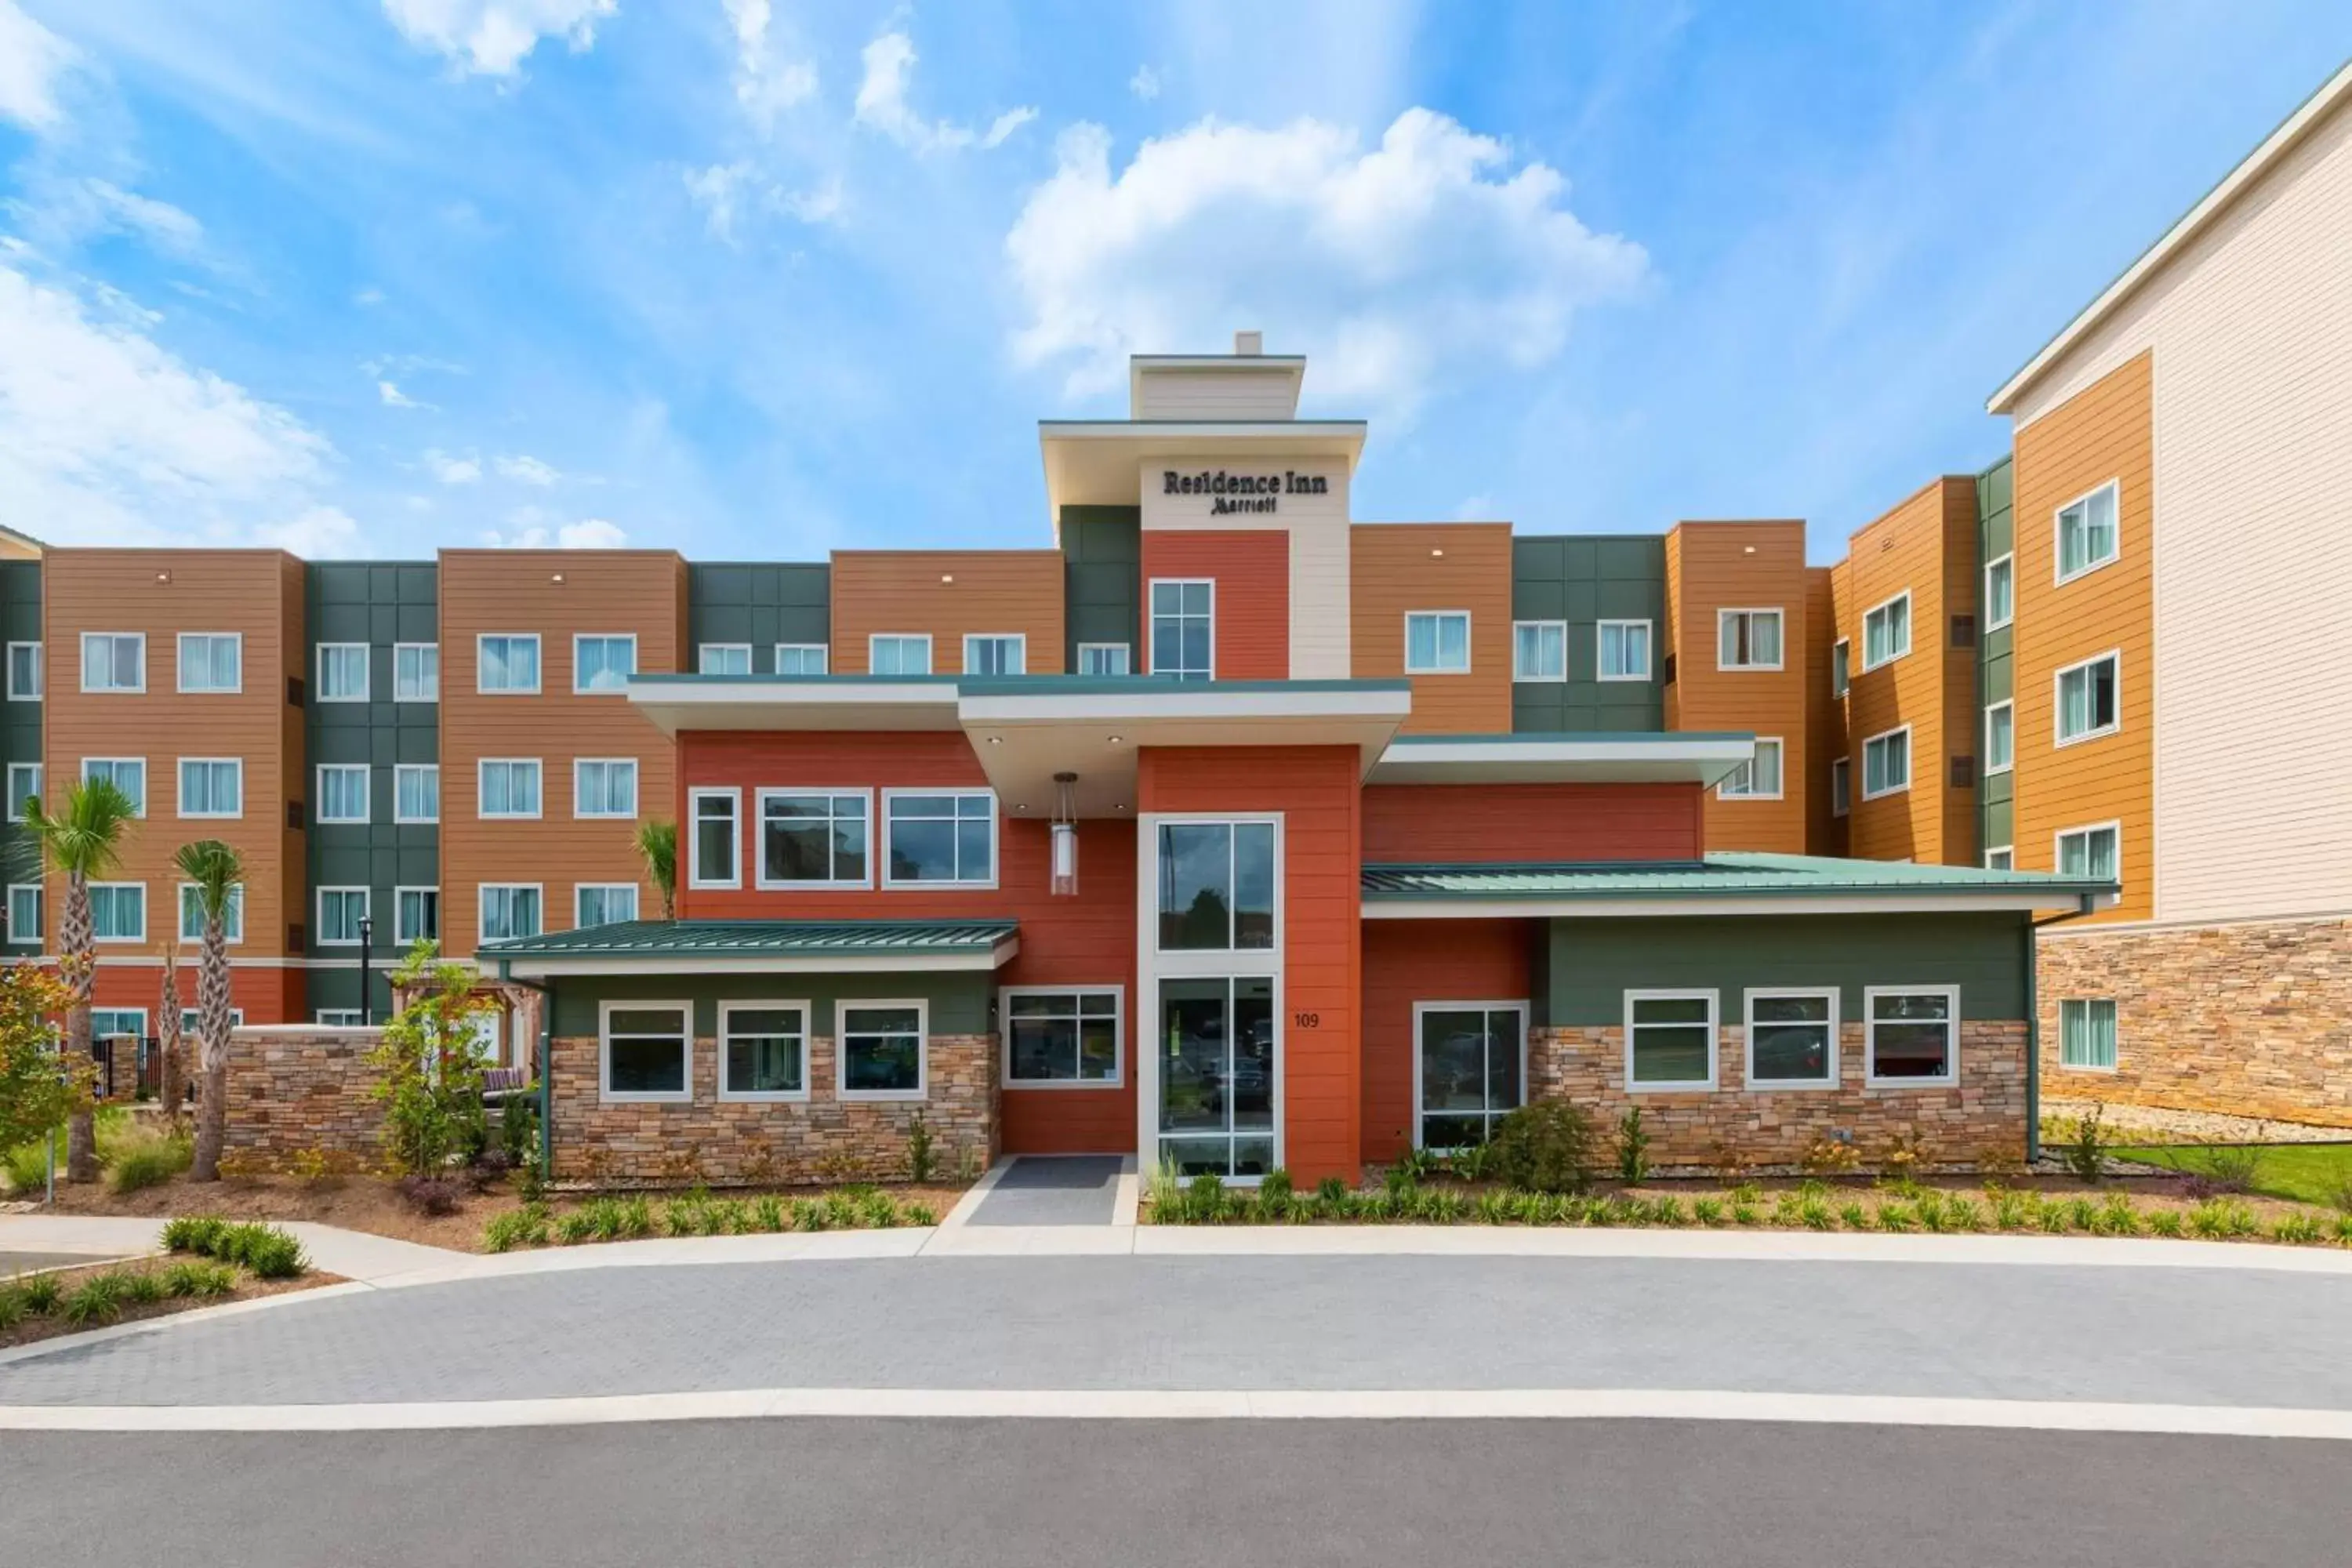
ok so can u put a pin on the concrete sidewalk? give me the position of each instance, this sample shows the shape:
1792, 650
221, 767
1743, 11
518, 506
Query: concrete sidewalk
353, 1254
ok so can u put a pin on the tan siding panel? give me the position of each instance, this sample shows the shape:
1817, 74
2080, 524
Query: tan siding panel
947, 593
1713, 566
1398, 567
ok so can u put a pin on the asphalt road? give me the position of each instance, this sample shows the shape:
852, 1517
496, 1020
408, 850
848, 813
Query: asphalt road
1063, 1494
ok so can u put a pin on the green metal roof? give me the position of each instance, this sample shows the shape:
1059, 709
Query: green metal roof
1728, 874
755, 939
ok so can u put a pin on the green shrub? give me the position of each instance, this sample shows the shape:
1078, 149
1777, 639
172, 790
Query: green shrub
841, 1210
13, 1309
97, 1302
1897, 1215
1275, 1192
1929, 1206
1669, 1212
1331, 1193
2166, 1222
200, 1279
42, 1293
2013, 1211
808, 1214
274, 1255
2117, 1217
921, 1159
1707, 1211
2225, 1167
1816, 1213
877, 1211
1204, 1199
768, 1213
922, 1214
1962, 1214
2082, 1214
1495, 1206
149, 1163
1543, 1147
2054, 1217
525, 1227
2298, 1229
143, 1288
1854, 1216
2085, 1147
199, 1234
2344, 1228
1633, 1148
1746, 1213
26, 1168
574, 1227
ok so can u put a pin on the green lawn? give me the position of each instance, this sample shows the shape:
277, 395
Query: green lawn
2311, 1173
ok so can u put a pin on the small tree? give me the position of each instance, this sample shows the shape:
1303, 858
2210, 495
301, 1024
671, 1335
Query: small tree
41, 1088
216, 870
83, 839
430, 1072
171, 1084
657, 847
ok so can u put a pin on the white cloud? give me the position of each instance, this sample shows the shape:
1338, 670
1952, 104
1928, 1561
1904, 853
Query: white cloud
32, 59
395, 398
1144, 83
452, 470
882, 103
1006, 124
66, 213
728, 192
716, 190
526, 470
1420, 263
768, 80
527, 531
490, 37
368, 298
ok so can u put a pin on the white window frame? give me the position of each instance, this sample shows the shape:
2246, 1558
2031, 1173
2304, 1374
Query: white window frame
318, 671
401, 769
635, 893
337, 1017
2059, 738
694, 876
1520, 675
637, 775
40, 675
1125, 660
1780, 618
605, 1092
482, 766
823, 659
1841, 768
1151, 620
319, 793
1649, 651
426, 652
1441, 616
1020, 639
232, 931
1841, 667
180, 786
118, 690
879, 856
1420, 1113
146, 778
2059, 576
2006, 561
482, 892
402, 938
621, 691
1004, 995
759, 879
1747, 1042
1908, 771
2006, 705
2058, 845
1724, 791
1714, 1039
537, 664
36, 769
180, 649
808, 1054
930, 653
841, 1092
1881, 608
16, 936
703, 652
319, 937
2006, 851
1870, 1078
2114, 1013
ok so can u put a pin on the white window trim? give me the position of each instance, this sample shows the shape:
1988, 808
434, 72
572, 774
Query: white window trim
694, 876
37, 770
1462, 669
1993, 849
1714, 1040
138, 1013
1151, 618
1841, 685
1747, 1044
179, 906
537, 664
397, 648
1777, 612
637, 778
1004, 995
482, 790
808, 1055
2058, 843
922, 1089
337, 1017
605, 1092
1721, 792
2059, 740
2007, 558
319, 672
1123, 649
2059, 576
319, 793
318, 914
1868, 664
401, 938
400, 768
482, 892
146, 778
83, 673
824, 653
760, 865
40, 903
180, 657
1908, 770
1870, 1078
580, 887
2111, 1068
1519, 1006
930, 652
1520, 676
702, 652
1990, 708
970, 638
40, 672
1846, 809
621, 691
879, 856
1649, 652
180, 787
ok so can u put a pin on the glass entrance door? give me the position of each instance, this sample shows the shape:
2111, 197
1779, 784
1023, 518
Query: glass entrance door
1216, 1075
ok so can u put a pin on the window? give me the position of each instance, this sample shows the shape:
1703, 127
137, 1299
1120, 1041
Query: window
2000, 593
1539, 650
24, 672
128, 775
896, 652
996, 653
1886, 631
763, 1050
342, 672
2088, 706
342, 793
1183, 628
119, 909
113, 661
1436, 642
416, 791
189, 1017
416, 915
1102, 658
1792, 1039
341, 910
339, 1017
1886, 763
814, 838
2096, 853
415, 672
1217, 1070
212, 786
1216, 886
605, 787
510, 910
510, 787
23, 785
1913, 1035
1624, 650
192, 914
712, 863
2086, 1034
2086, 531
25, 912
1842, 786
603, 903
1060, 1037
117, 1023
1758, 778
2004, 859
881, 1050
1470, 1066
605, 662
1748, 639
644, 1047
723, 658
507, 662
800, 659
939, 838
1669, 1039
212, 661
1841, 675
2001, 738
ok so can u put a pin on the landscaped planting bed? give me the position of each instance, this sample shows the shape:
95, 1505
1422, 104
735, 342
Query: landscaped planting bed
698, 1213
224, 1263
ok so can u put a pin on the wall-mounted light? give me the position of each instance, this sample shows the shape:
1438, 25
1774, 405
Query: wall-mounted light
558, 577
1114, 740
1437, 555
1748, 550
163, 576
1065, 832
996, 740
946, 576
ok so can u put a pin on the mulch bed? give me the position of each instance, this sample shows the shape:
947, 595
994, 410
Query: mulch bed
34, 1329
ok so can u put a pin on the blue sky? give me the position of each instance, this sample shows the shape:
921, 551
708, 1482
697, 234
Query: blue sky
764, 277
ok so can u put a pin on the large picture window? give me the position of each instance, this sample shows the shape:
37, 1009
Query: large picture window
646, 1050
1060, 1037
939, 839
1217, 1070
881, 1050
763, 1050
1913, 1035
1669, 1039
1471, 1070
814, 838
1216, 886
1792, 1039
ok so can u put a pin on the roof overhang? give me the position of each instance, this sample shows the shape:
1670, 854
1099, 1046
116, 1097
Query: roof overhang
524, 967
675, 702
756, 947
1091, 462
1669, 758
1684, 906
1290, 368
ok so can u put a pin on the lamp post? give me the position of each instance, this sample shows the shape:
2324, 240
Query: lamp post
367, 941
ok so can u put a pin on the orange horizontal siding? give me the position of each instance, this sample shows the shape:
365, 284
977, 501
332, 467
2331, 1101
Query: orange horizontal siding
945, 594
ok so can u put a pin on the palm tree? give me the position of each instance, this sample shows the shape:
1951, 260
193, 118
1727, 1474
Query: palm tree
84, 841
658, 846
215, 869
172, 1086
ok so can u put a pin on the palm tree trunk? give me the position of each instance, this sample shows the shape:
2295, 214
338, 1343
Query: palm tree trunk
77, 966
174, 1086
212, 1019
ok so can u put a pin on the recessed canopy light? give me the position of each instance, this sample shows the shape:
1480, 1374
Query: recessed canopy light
1114, 740
996, 740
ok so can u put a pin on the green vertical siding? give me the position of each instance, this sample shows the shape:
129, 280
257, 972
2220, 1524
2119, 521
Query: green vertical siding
20, 722
1996, 537
1102, 579
961, 1002
1584, 580
762, 602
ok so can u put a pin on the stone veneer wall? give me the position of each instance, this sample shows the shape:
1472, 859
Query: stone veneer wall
2252, 1019
300, 1086
706, 1139
1983, 1115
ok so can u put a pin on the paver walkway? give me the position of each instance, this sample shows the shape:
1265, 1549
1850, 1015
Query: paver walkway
1070, 1189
